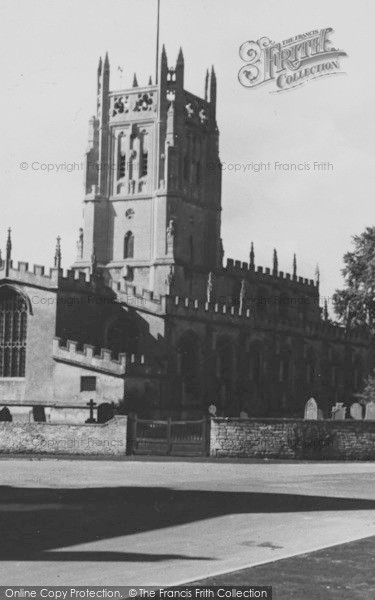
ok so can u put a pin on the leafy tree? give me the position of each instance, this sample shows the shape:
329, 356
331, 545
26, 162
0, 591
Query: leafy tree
355, 304
368, 393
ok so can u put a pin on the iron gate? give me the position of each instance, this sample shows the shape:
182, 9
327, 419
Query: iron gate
168, 438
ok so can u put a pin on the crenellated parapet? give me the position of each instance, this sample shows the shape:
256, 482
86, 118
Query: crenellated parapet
53, 278
102, 360
37, 276
140, 299
86, 357
73, 280
266, 275
177, 305
193, 308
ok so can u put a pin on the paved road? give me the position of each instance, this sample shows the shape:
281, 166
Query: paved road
344, 572
85, 522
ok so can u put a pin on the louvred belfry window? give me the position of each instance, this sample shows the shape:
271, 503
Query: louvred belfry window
129, 245
121, 158
13, 330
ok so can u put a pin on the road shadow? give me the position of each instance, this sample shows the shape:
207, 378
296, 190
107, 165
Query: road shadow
99, 556
34, 521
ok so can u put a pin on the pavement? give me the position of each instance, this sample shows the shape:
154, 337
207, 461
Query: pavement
170, 522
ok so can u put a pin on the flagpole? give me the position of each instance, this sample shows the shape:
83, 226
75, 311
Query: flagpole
121, 70
157, 45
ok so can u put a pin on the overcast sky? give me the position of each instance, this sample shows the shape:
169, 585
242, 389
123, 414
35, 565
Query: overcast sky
49, 57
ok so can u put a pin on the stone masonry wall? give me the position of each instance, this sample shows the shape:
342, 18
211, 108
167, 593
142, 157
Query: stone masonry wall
108, 439
293, 439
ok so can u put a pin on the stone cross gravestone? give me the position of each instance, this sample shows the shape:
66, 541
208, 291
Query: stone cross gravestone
311, 410
370, 411
91, 406
338, 411
356, 411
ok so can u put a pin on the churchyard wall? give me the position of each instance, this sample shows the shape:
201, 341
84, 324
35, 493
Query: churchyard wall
293, 439
107, 439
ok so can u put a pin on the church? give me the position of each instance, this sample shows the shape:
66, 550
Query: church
150, 319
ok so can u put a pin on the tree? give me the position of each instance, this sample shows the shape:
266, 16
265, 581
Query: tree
355, 304
368, 393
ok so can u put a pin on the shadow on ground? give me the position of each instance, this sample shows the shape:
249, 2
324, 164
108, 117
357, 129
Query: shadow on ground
36, 520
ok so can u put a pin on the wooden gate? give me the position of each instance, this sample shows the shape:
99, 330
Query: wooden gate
168, 438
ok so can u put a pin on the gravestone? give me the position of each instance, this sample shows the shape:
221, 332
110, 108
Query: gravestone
243, 415
212, 410
39, 415
338, 411
91, 406
105, 412
5, 414
370, 411
311, 410
356, 411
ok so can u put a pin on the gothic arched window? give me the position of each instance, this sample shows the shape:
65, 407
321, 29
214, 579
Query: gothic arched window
198, 172
191, 249
262, 302
13, 329
284, 303
256, 367
186, 168
188, 352
310, 367
224, 350
284, 368
129, 245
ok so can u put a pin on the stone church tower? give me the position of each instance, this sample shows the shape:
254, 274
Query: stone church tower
152, 209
